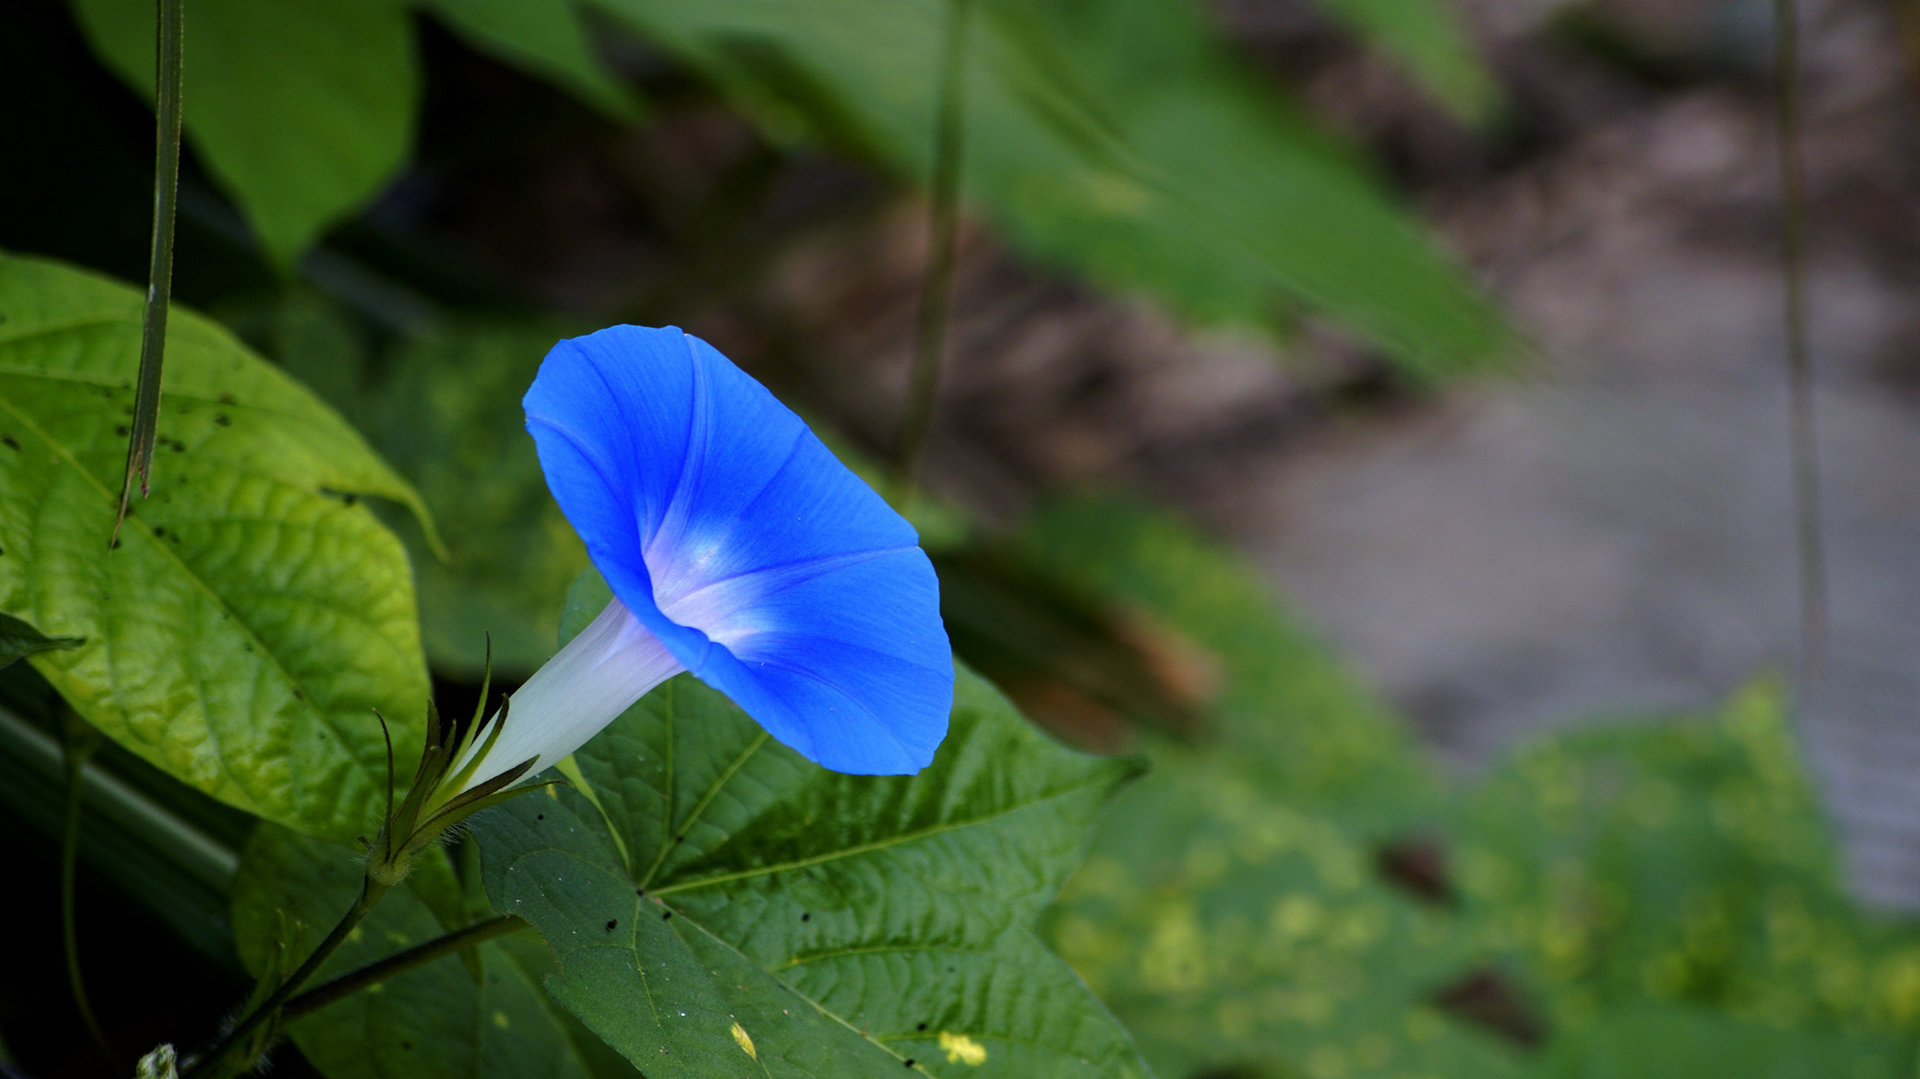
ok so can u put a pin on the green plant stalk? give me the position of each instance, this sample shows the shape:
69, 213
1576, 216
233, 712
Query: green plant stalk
930, 331
370, 893
399, 963
166, 189
1793, 236
79, 746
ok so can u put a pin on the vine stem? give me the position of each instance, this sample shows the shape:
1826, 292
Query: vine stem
370, 893
930, 330
168, 44
78, 747
1801, 431
400, 962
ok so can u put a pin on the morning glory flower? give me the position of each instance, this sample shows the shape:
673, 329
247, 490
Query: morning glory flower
737, 547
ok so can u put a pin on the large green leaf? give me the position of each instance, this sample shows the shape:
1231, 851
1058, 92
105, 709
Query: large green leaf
486, 1018
750, 914
254, 614
1229, 930
302, 110
1113, 139
1686, 860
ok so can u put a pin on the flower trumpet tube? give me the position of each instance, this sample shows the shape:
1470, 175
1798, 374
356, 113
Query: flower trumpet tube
738, 548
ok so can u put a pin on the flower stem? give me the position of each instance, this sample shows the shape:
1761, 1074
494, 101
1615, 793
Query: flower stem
370, 893
930, 333
399, 963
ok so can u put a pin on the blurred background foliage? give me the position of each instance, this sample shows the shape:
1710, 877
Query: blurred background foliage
403, 205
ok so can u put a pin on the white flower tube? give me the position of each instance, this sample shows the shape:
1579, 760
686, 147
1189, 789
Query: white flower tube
584, 687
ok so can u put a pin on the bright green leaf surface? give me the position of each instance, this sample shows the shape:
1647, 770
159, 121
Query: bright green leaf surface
443, 1020
846, 924
1113, 139
301, 109
546, 38
254, 614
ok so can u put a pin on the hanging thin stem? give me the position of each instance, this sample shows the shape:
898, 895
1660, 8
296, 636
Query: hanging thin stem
166, 188
930, 332
399, 963
1793, 235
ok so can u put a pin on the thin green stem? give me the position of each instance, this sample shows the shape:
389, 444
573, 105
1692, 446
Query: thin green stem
1793, 236
78, 747
930, 332
399, 963
370, 893
166, 188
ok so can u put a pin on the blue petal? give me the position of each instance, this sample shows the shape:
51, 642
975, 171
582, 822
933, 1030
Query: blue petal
766, 567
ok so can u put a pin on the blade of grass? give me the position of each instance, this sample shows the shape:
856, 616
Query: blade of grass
166, 187
930, 332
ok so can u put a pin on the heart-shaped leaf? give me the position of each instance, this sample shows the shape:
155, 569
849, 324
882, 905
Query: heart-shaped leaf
253, 614
732, 910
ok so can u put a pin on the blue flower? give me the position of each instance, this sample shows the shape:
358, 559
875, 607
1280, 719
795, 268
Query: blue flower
738, 548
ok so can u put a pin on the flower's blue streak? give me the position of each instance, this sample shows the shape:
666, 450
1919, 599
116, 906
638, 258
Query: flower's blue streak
741, 544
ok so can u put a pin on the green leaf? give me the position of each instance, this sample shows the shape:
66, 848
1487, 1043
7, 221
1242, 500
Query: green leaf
1112, 139
442, 1019
302, 110
255, 614
1426, 37
1681, 1043
18, 640
546, 38
1684, 860
750, 914
1229, 931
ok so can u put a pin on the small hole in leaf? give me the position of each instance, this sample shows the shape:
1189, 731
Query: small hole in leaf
806, 917
668, 916
612, 924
